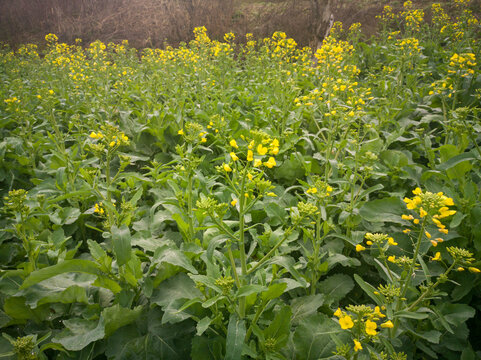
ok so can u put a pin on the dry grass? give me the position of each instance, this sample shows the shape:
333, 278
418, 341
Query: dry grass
151, 23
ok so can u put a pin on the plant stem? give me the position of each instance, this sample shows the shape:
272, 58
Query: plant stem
242, 253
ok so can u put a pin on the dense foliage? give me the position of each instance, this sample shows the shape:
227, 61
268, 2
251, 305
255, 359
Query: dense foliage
227, 201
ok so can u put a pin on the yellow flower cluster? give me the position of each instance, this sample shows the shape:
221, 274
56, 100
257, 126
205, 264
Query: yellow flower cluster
110, 136
433, 205
263, 146
98, 209
332, 53
412, 17
364, 318
462, 64
409, 46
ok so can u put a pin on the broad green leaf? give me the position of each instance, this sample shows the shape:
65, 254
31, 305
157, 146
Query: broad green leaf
304, 307
368, 289
121, 243
456, 314
279, 328
116, 316
250, 289
383, 210
203, 325
312, 338
335, 287
179, 286
236, 332
173, 256
274, 291
79, 333
64, 288
76, 265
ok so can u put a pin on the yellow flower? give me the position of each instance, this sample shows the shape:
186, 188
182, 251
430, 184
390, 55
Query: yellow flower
360, 248
226, 167
233, 143
357, 345
407, 217
369, 242
261, 150
460, 268
275, 151
338, 313
251, 145
371, 327
275, 143
435, 243
392, 258
444, 231
271, 194
437, 257
233, 156
422, 212
346, 322
112, 143
406, 231
312, 190
388, 324
391, 241
249, 176
417, 191
474, 270
416, 221
93, 135
98, 209
448, 202
257, 162
428, 235
270, 163
250, 155
233, 202
180, 132
377, 311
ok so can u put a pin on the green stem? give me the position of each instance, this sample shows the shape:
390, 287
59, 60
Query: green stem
190, 214
408, 276
268, 255
315, 245
242, 253
428, 290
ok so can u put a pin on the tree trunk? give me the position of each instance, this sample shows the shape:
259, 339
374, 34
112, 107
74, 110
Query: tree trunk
322, 20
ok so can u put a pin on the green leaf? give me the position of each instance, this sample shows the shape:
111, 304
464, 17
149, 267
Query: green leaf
456, 314
288, 264
75, 265
116, 316
383, 210
179, 286
64, 288
304, 307
173, 256
411, 315
279, 328
79, 333
203, 325
250, 289
121, 243
236, 333
368, 289
312, 338
274, 291
336, 287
